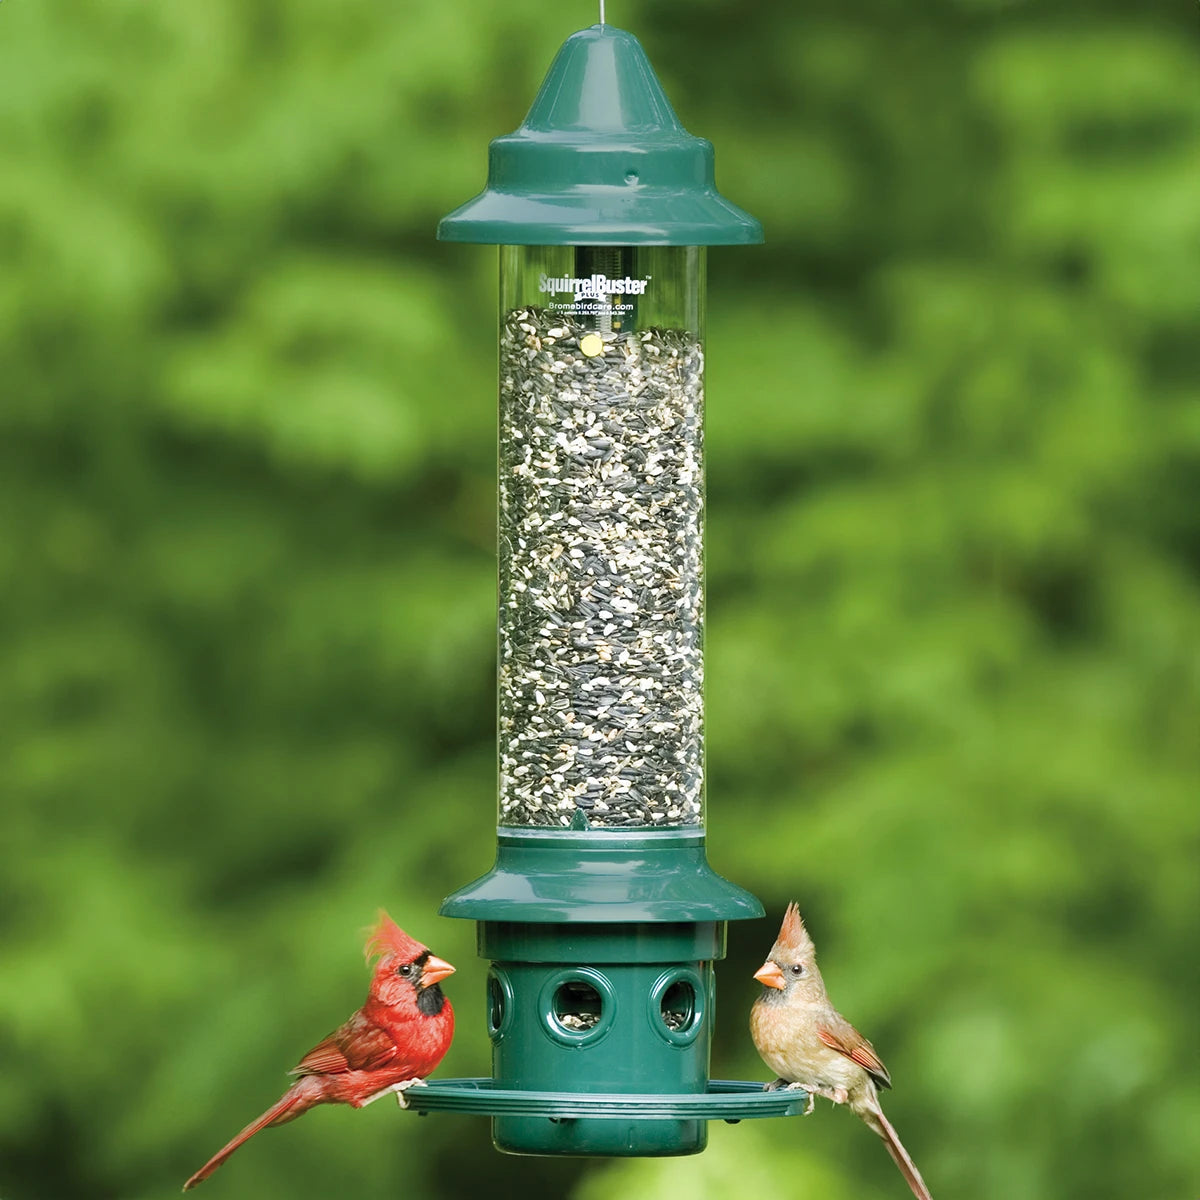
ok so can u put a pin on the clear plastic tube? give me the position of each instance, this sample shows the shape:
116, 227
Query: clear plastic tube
601, 536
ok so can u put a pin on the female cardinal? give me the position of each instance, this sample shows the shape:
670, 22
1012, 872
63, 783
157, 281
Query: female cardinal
398, 1036
810, 1045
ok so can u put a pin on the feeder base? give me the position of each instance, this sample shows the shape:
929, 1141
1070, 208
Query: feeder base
568, 1137
645, 1125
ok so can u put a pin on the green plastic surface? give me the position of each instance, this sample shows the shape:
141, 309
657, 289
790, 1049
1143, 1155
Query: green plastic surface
725, 1100
625, 1125
599, 876
604, 986
576, 942
601, 159
611, 1027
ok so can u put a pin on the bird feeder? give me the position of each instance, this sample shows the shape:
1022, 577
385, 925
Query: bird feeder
601, 916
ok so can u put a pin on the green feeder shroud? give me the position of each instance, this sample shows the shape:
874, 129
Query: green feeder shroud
601, 917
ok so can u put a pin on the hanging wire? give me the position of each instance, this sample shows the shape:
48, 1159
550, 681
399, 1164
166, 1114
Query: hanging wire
601, 14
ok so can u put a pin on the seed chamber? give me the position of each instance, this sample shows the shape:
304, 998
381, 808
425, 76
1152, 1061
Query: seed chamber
601, 510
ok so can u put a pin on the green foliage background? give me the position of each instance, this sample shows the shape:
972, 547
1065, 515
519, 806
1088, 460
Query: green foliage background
247, 574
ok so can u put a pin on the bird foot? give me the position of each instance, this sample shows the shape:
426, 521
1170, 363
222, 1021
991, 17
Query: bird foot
398, 1088
811, 1096
837, 1095
777, 1085
402, 1087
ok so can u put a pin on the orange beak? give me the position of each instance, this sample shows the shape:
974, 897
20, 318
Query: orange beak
770, 974
434, 970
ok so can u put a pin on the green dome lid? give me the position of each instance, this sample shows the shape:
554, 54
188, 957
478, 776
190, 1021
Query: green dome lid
601, 159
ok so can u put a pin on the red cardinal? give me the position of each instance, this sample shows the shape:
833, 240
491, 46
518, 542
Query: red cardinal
398, 1036
810, 1045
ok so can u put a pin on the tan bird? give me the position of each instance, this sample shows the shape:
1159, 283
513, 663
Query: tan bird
810, 1045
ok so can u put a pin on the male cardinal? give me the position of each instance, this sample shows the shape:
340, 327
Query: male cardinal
398, 1036
810, 1045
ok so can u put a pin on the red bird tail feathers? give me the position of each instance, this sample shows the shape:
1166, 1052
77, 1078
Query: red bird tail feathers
299, 1098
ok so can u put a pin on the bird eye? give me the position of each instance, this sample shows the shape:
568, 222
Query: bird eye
405, 970
798, 969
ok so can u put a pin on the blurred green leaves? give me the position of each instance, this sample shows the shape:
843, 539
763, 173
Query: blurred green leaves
247, 574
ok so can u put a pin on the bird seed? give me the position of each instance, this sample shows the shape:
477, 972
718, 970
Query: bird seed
601, 574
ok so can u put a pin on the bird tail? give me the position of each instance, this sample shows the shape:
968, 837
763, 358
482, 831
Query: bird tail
874, 1117
297, 1099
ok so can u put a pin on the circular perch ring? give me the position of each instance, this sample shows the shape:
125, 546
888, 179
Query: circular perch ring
725, 1100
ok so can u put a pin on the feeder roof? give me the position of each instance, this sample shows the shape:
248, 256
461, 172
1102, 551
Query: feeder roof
601, 159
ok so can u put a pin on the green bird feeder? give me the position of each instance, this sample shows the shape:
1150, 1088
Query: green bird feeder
601, 916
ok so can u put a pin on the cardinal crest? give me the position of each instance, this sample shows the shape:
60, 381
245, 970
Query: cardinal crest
792, 934
386, 937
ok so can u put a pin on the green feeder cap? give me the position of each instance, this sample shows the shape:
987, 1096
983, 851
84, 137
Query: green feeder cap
601, 159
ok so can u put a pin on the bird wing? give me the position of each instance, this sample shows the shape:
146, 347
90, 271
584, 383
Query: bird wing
358, 1045
845, 1039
